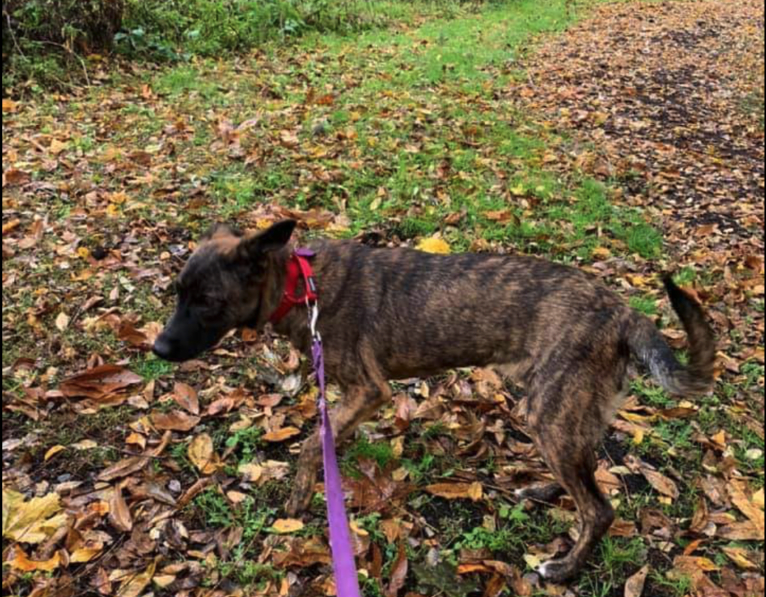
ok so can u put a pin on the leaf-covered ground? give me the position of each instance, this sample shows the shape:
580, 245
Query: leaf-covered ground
629, 144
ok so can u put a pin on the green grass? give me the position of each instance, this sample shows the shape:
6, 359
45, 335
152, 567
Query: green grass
380, 452
643, 304
615, 559
150, 367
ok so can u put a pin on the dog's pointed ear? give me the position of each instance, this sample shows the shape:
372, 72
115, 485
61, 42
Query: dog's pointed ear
270, 240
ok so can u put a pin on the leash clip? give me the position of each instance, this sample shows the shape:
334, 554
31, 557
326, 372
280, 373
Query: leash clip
313, 308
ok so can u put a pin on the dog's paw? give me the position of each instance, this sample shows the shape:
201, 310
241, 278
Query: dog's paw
548, 493
557, 571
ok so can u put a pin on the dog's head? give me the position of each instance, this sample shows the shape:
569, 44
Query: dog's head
224, 285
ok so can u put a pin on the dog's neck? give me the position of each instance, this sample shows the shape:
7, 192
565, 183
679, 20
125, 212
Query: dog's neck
293, 325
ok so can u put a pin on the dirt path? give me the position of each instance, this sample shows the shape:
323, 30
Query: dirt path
669, 95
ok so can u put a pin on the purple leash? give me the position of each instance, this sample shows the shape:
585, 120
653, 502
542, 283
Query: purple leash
346, 579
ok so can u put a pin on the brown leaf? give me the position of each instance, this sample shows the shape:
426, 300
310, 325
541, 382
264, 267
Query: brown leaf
186, 397
289, 139
119, 513
739, 497
398, 572
123, 468
14, 176
176, 420
495, 586
742, 531
99, 382
634, 587
661, 483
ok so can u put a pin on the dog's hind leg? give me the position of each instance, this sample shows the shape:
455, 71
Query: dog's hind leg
566, 439
359, 404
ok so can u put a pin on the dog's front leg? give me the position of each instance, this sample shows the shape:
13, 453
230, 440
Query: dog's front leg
359, 404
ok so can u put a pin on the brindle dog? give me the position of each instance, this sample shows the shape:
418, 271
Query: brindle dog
399, 313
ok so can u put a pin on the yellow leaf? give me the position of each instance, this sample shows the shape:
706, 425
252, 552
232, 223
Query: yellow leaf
83, 252
236, 497
84, 554
475, 492
758, 498
202, 455
31, 521
434, 245
532, 561
164, 580
285, 526
135, 584
251, 472
53, 451
638, 436
57, 147
456, 491
740, 557
136, 439
720, 438
602, 253
281, 434
86, 444
519, 191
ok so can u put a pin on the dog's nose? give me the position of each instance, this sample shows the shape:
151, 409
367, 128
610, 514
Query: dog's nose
162, 347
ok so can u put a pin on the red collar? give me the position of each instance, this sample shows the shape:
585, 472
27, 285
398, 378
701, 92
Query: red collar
298, 266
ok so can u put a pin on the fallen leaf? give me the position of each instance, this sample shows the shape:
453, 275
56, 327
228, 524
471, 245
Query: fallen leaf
286, 526
281, 434
434, 245
186, 397
741, 557
634, 587
119, 513
57, 147
99, 382
123, 468
9, 106
176, 420
456, 491
398, 573
135, 584
31, 521
202, 455
19, 560
737, 490
661, 483
251, 472
62, 321
53, 451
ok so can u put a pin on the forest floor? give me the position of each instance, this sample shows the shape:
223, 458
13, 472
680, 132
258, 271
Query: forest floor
627, 140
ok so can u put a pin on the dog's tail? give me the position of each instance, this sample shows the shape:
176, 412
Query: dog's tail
649, 347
